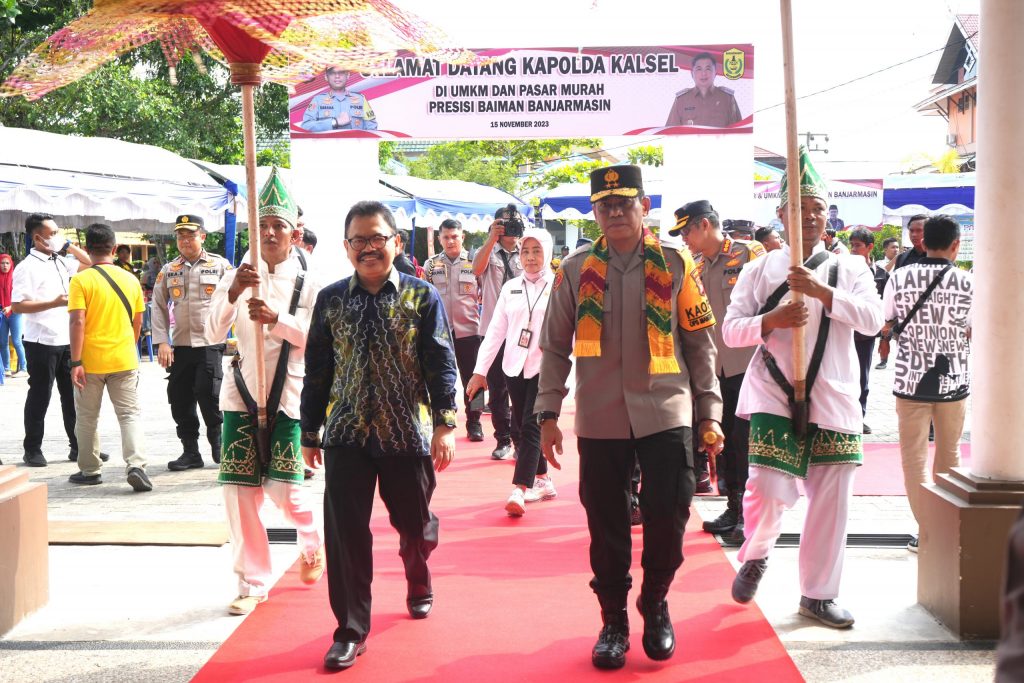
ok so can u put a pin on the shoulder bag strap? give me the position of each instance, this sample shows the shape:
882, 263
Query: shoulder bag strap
281, 370
898, 328
274, 397
120, 294
811, 263
822, 340
816, 356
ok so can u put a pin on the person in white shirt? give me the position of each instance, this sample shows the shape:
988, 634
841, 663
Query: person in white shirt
838, 291
516, 323
289, 291
40, 291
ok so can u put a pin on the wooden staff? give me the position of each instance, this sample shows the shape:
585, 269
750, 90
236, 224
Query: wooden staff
794, 232
248, 77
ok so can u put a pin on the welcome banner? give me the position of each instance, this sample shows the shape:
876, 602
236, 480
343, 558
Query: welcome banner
537, 93
858, 202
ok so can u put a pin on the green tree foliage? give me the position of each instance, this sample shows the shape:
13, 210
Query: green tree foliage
387, 151
132, 98
492, 162
646, 155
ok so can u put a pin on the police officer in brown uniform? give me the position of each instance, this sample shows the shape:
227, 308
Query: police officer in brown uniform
193, 360
451, 272
705, 104
719, 261
633, 313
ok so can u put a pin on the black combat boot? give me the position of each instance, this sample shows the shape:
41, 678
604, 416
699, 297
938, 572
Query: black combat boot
659, 637
189, 459
736, 536
727, 520
613, 642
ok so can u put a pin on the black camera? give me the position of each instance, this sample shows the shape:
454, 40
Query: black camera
512, 221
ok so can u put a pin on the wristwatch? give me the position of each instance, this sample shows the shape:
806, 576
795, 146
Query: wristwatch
544, 416
310, 439
76, 363
445, 417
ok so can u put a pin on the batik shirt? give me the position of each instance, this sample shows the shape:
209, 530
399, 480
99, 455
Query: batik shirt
380, 368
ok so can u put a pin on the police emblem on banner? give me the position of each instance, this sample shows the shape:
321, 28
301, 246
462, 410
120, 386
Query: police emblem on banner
733, 64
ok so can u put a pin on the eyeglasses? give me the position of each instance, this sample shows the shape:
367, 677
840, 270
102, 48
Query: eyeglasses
377, 242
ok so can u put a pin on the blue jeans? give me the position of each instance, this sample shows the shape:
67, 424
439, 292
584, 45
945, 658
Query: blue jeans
11, 325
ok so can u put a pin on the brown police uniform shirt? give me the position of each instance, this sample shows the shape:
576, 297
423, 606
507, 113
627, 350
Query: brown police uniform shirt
190, 287
616, 396
719, 276
717, 109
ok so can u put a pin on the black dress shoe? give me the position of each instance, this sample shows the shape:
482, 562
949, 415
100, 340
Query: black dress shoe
419, 608
659, 637
343, 655
611, 646
34, 459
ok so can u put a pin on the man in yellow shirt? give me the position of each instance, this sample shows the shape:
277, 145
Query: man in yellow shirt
106, 306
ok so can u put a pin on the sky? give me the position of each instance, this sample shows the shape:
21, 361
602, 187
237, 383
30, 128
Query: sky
871, 124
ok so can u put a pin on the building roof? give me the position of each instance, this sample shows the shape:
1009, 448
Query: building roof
961, 49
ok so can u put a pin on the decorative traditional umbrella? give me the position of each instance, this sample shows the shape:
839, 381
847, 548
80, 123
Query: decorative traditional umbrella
285, 41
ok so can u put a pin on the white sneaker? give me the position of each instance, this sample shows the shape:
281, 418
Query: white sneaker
516, 504
543, 489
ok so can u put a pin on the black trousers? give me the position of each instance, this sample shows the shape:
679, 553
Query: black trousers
406, 486
465, 357
606, 467
523, 393
506, 430
865, 350
195, 378
45, 364
735, 454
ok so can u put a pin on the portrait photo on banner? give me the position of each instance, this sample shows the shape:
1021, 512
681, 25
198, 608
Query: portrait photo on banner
536, 93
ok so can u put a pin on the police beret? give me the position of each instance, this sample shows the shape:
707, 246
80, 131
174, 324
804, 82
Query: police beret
625, 180
187, 222
692, 211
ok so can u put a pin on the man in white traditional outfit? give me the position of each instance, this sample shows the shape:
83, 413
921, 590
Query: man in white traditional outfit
288, 295
824, 448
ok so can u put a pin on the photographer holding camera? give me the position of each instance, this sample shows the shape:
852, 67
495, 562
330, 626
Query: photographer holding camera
495, 267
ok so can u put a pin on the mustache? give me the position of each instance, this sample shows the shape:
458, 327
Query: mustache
370, 254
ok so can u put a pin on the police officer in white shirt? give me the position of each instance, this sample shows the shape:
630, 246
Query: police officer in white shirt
40, 291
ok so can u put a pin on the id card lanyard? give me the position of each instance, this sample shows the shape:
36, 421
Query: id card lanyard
526, 334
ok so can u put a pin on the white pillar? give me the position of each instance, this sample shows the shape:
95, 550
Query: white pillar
330, 175
997, 430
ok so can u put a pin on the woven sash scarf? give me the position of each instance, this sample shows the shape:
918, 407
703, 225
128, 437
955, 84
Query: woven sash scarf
658, 294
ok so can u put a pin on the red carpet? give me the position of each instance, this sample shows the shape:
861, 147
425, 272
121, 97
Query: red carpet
512, 602
882, 472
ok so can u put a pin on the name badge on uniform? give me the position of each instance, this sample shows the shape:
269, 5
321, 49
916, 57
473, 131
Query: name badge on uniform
524, 338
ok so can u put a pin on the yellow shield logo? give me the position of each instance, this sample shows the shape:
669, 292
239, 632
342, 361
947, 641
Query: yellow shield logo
733, 64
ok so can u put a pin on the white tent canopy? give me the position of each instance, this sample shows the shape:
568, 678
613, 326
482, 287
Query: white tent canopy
80, 180
432, 201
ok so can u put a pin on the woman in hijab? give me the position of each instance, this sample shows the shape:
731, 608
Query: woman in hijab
10, 322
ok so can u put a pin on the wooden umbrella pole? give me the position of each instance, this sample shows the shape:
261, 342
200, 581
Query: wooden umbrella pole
248, 77
794, 232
